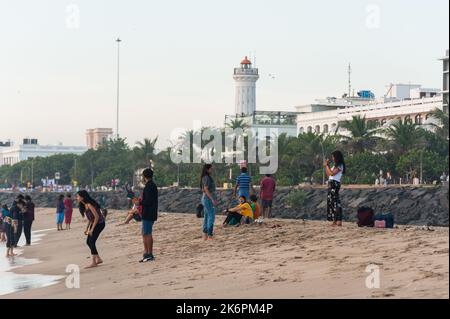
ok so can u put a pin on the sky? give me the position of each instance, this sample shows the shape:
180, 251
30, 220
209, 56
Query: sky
58, 59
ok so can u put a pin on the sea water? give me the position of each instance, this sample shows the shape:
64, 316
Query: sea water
11, 282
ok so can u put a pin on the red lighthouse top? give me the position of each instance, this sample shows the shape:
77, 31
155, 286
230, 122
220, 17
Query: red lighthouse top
246, 61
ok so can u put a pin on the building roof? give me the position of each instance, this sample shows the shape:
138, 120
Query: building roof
246, 61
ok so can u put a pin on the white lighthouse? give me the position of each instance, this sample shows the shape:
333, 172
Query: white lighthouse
245, 78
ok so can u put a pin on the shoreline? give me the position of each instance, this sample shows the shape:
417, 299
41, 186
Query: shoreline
297, 260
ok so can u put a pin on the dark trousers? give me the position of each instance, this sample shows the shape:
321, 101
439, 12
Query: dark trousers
91, 240
19, 231
334, 208
27, 230
230, 216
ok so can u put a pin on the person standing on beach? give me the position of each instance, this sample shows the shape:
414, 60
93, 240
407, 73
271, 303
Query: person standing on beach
209, 201
10, 229
267, 190
96, 224
243, 184
17, 210
335, 173
60, 212
68, 210
149, 214
28, 219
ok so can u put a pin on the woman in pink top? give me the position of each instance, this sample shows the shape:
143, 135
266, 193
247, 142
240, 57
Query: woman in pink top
68, 209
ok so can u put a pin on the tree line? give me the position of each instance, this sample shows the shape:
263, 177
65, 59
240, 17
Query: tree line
406, 149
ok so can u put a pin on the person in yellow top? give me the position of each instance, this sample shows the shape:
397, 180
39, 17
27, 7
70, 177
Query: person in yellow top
242, 210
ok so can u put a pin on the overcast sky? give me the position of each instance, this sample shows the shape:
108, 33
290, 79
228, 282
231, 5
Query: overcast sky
58, 59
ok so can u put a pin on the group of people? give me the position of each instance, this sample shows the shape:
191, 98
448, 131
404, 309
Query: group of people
145, 209
248, 210
15, 220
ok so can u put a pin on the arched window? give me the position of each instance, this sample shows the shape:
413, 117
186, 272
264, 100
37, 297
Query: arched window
317, 129
325, 128
383, 122
301, 130
418, 119
408, 119
309, 129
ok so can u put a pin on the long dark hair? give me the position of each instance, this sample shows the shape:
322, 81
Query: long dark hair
205, 172
339, 158
87, 199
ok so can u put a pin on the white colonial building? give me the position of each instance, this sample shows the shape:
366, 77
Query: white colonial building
30, 148
403, 102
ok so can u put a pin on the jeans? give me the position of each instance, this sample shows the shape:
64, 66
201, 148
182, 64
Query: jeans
27, 230
19, 232
210, 216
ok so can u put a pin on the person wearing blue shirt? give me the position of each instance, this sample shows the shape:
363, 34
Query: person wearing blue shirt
243, 184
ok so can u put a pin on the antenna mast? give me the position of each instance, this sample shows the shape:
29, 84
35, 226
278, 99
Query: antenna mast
349, 79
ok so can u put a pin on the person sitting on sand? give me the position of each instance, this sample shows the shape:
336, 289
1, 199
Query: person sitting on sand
255, 207
243, 212
96, 223
135, 212
10, 230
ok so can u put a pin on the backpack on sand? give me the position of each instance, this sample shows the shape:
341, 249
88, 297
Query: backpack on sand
365, 217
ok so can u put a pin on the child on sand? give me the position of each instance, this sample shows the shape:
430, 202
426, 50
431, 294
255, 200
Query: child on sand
68, 210
135, 212
60, 212
255, 207
10, 230
243, 212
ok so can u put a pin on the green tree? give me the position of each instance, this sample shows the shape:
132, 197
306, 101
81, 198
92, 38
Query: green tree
361, 135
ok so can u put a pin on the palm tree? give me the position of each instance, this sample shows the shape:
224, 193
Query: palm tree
238, 124
145, 151
362, 134
404, 136
441, 128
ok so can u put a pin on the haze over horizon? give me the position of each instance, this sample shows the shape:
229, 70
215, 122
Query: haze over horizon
58, 62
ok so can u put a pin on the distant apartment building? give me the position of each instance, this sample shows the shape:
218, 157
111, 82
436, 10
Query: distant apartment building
97, 136
30, 148
445, 82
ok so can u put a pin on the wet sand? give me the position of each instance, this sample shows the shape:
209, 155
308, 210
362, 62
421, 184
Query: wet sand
297, 260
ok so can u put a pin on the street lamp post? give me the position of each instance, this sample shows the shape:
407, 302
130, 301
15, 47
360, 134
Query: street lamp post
118, 86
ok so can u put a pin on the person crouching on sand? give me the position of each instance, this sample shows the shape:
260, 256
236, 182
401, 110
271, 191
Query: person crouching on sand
60, 212
96, 223
255, 207
243, 213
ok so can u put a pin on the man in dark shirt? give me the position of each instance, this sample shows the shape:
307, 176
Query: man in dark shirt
28, 219
149, 213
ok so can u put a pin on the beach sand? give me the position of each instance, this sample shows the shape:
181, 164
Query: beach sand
300, 259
